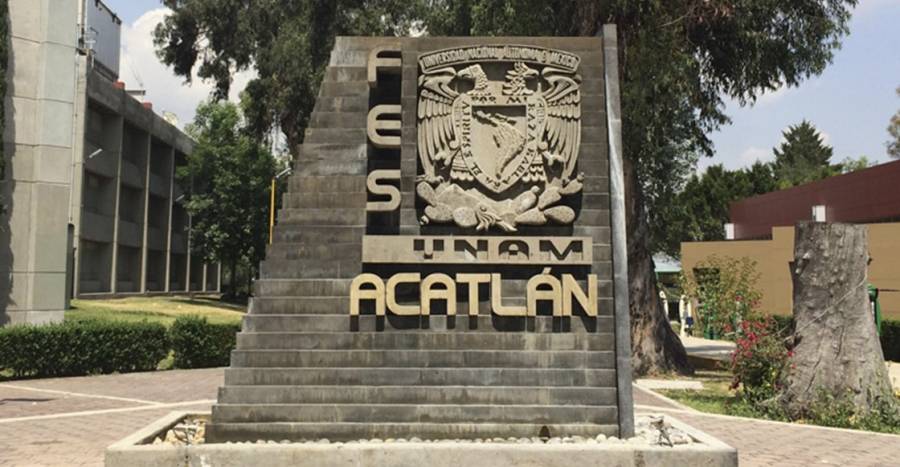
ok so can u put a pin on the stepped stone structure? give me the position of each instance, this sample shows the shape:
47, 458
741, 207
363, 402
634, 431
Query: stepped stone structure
449, 258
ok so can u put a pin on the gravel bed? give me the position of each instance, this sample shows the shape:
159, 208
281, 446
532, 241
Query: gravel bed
650, 430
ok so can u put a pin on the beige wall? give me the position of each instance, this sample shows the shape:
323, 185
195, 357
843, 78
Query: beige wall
773, 257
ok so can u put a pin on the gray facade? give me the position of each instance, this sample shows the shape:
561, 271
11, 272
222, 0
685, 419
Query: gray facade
130, 234
89, 185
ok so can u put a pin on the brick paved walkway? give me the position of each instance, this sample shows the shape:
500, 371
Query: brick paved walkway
70, 421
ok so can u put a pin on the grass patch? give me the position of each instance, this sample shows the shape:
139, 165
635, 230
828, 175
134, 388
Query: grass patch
717, 397
162, 310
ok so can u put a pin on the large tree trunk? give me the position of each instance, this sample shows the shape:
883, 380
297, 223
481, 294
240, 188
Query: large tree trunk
836, 350
655, 348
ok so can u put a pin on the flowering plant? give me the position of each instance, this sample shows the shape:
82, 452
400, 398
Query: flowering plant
759, 360
725, 289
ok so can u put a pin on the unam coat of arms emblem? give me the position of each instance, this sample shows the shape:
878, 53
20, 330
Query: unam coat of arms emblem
498, 152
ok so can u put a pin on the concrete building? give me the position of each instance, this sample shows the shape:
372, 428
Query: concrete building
91, 203
762, 228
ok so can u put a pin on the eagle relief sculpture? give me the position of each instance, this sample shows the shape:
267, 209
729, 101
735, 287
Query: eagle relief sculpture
498, 153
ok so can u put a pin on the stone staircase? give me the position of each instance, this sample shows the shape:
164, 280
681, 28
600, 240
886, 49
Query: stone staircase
304, 369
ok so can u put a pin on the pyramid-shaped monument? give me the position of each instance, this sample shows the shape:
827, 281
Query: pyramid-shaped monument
449, 260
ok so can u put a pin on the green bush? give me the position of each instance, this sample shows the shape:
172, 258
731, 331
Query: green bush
200, 344
758, 362
726, 290
841, 412
890, 340
784, 324
82, 348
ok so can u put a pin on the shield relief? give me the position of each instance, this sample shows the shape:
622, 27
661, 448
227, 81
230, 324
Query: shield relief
497, 123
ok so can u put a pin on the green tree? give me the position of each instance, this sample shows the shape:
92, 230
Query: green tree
678, 60
229, 175
802, 157
893, 144
288, 43
701, 210
850, 164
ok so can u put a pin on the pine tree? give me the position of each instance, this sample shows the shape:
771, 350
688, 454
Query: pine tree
893, 144
802, 157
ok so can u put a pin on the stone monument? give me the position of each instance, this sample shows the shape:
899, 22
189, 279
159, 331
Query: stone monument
449, 260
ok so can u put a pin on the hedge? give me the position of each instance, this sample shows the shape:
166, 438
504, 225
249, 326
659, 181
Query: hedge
198, 343
890, 340
890, 335
76, 348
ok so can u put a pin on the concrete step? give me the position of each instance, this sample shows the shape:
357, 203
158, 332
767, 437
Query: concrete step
389, 376
346, 73
269, 288
311, 234
333, 150
408, 413
463, 323
344, 88
309, 269
324, 200
431, 340
222, 432
499, 395
348, 216
354, 103
333, 159
322, 166
371, 358
320, 250
339, 184
332, 135
309, 305
325, 119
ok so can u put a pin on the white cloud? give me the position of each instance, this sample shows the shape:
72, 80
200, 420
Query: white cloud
753, 154
166, 91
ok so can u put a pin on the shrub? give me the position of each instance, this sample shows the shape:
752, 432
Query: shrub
758, 362
890, 340
198, 343
82, 348
784, 324
726, 290
840, 411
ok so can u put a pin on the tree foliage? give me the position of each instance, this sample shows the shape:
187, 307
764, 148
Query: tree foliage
287, 43
229, 175
677, 59
893, 144
802, 156
850, 164
700, 211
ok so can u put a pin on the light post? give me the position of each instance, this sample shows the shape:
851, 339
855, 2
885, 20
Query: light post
272, 202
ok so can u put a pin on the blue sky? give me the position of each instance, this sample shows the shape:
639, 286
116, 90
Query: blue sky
850, 103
